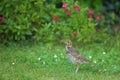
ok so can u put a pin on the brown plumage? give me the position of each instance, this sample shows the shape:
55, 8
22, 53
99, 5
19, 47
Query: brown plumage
74, 56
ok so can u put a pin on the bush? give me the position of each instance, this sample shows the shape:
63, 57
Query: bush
73, 22
38, 20
22, 18
109, 9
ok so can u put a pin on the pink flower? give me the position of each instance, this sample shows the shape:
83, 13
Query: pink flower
98, 18
90, 16
55, 18
77, 8
68, 12
2, 19
64, 6
74, 34
90, 12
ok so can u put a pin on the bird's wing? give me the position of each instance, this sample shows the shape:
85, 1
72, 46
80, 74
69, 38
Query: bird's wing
74, 51
76, 54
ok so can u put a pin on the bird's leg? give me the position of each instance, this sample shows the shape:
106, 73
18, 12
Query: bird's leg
77, 68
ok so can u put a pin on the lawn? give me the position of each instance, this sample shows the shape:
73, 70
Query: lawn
37, 61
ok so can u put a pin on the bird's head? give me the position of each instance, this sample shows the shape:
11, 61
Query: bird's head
68, 43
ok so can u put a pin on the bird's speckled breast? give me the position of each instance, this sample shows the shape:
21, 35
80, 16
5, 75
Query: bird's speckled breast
71, 58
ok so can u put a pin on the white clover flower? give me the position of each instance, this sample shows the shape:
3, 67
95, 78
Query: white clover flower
100, 70
55, 56
13, 63
105, 69
90, 57
104, 52
43, 62
94, 61
103, 60
39, 58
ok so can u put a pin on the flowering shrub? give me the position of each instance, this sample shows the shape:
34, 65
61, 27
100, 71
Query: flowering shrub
42, 21
74, 19
19, 21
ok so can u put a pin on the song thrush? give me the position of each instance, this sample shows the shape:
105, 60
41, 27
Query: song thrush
74, 56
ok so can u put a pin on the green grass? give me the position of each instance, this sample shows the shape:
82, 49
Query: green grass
41, 62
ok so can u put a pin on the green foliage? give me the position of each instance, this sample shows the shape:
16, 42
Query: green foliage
109, 10
23, 18
67, 23
34, 20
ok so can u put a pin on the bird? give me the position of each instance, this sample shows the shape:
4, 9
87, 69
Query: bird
74, 56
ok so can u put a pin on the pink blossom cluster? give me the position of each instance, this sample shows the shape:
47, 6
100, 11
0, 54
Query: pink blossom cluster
90, 12
77, 8
64, 6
